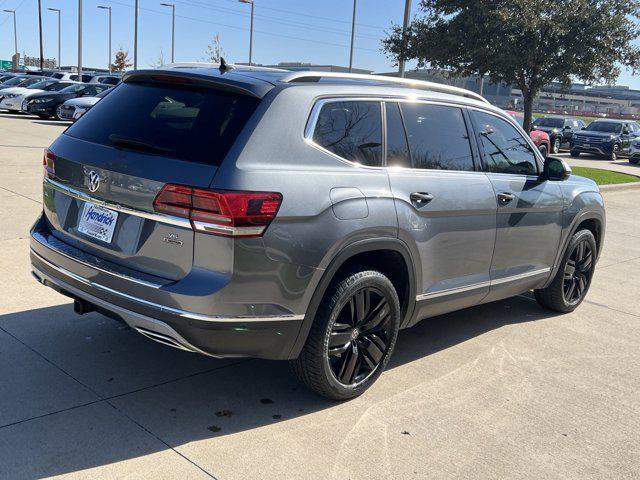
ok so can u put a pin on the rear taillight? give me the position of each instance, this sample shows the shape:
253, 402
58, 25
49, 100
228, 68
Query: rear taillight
48, 163
218, 212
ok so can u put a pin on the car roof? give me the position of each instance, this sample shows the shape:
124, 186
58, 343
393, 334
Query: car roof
258, 81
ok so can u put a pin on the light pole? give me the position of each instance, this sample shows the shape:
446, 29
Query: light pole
135, 36
57, 10
250, 2
109, 56
80, 39
173, 28
15, 34
353, 33
405, 26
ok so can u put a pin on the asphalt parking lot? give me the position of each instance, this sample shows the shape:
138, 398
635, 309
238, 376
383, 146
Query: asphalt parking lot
505, 390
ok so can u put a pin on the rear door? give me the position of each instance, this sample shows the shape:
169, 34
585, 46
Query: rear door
529, 210
446, 207
107, 168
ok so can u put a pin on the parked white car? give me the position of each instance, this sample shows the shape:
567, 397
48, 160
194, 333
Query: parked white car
12, 98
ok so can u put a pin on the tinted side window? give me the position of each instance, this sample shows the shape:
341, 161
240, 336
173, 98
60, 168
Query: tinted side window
351, 130
438, 137
505, 150
397, 147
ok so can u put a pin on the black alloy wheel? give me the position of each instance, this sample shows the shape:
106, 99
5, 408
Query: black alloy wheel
352, 336
577, 272
360, 336
571, 282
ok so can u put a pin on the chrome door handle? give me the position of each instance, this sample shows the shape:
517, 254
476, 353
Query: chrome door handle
505, 197
420, 198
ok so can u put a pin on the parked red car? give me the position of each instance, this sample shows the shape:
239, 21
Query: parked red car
540, 138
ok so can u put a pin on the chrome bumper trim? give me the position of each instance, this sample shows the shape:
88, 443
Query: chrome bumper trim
42, 241
475, 286
164, 308
157, 217
151, 328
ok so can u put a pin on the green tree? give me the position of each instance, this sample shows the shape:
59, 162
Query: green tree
526, 43
121, 61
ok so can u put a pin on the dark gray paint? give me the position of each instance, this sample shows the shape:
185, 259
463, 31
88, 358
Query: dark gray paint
256, 296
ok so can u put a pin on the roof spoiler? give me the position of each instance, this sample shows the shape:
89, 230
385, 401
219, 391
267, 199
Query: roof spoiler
181, 77
417, 84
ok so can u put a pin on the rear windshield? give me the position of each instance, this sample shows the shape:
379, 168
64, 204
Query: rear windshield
197, 125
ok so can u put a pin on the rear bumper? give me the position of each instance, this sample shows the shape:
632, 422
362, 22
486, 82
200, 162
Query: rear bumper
260, 336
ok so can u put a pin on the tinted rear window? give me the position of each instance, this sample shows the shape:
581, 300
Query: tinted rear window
197, 125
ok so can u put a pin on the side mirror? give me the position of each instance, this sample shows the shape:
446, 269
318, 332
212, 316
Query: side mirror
556, 169
532, 128
567, 127
625, 131
583, 128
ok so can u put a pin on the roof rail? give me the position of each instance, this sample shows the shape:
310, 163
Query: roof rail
310, 76
217, 65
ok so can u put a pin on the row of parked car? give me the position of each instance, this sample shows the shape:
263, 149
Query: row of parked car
607, 138
58, 95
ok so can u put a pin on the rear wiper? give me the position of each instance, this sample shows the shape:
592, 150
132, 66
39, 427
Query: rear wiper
133, 144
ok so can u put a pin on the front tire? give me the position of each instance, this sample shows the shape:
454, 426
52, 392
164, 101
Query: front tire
614, 153
352, 336
634, 161
543, 150
555, 145
571, 284
574, 153
57, 114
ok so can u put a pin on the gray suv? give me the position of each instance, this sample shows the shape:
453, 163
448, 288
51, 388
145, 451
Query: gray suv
305, 216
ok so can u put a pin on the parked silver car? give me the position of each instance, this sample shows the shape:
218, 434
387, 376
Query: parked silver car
76, 107
305, 216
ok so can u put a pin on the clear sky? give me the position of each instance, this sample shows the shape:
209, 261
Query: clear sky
315, 31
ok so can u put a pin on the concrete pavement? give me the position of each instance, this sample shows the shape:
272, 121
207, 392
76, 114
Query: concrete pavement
505, 390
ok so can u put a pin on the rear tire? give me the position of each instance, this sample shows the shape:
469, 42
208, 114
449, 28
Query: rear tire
634, 161
352, 336
573, 279
574, 153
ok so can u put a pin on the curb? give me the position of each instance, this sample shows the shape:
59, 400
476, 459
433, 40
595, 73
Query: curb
620, 187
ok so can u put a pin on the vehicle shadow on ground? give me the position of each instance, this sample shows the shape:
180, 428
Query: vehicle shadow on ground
180, 397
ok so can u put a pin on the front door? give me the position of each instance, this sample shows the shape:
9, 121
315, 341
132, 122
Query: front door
446, 207
529, 210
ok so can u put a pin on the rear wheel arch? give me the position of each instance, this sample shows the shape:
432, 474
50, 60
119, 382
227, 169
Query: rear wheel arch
391, 257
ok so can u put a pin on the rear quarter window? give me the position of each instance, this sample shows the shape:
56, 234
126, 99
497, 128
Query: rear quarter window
198, 125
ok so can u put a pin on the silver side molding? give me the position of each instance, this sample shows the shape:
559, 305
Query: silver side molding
477, 286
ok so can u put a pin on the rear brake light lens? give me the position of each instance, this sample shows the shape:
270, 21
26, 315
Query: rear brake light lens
227, 213
48, 163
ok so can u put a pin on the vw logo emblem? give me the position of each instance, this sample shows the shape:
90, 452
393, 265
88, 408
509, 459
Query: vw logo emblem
94, 181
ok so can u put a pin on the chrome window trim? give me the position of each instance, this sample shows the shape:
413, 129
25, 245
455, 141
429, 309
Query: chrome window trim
159, 307
475, 286
157, 217
321, 101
